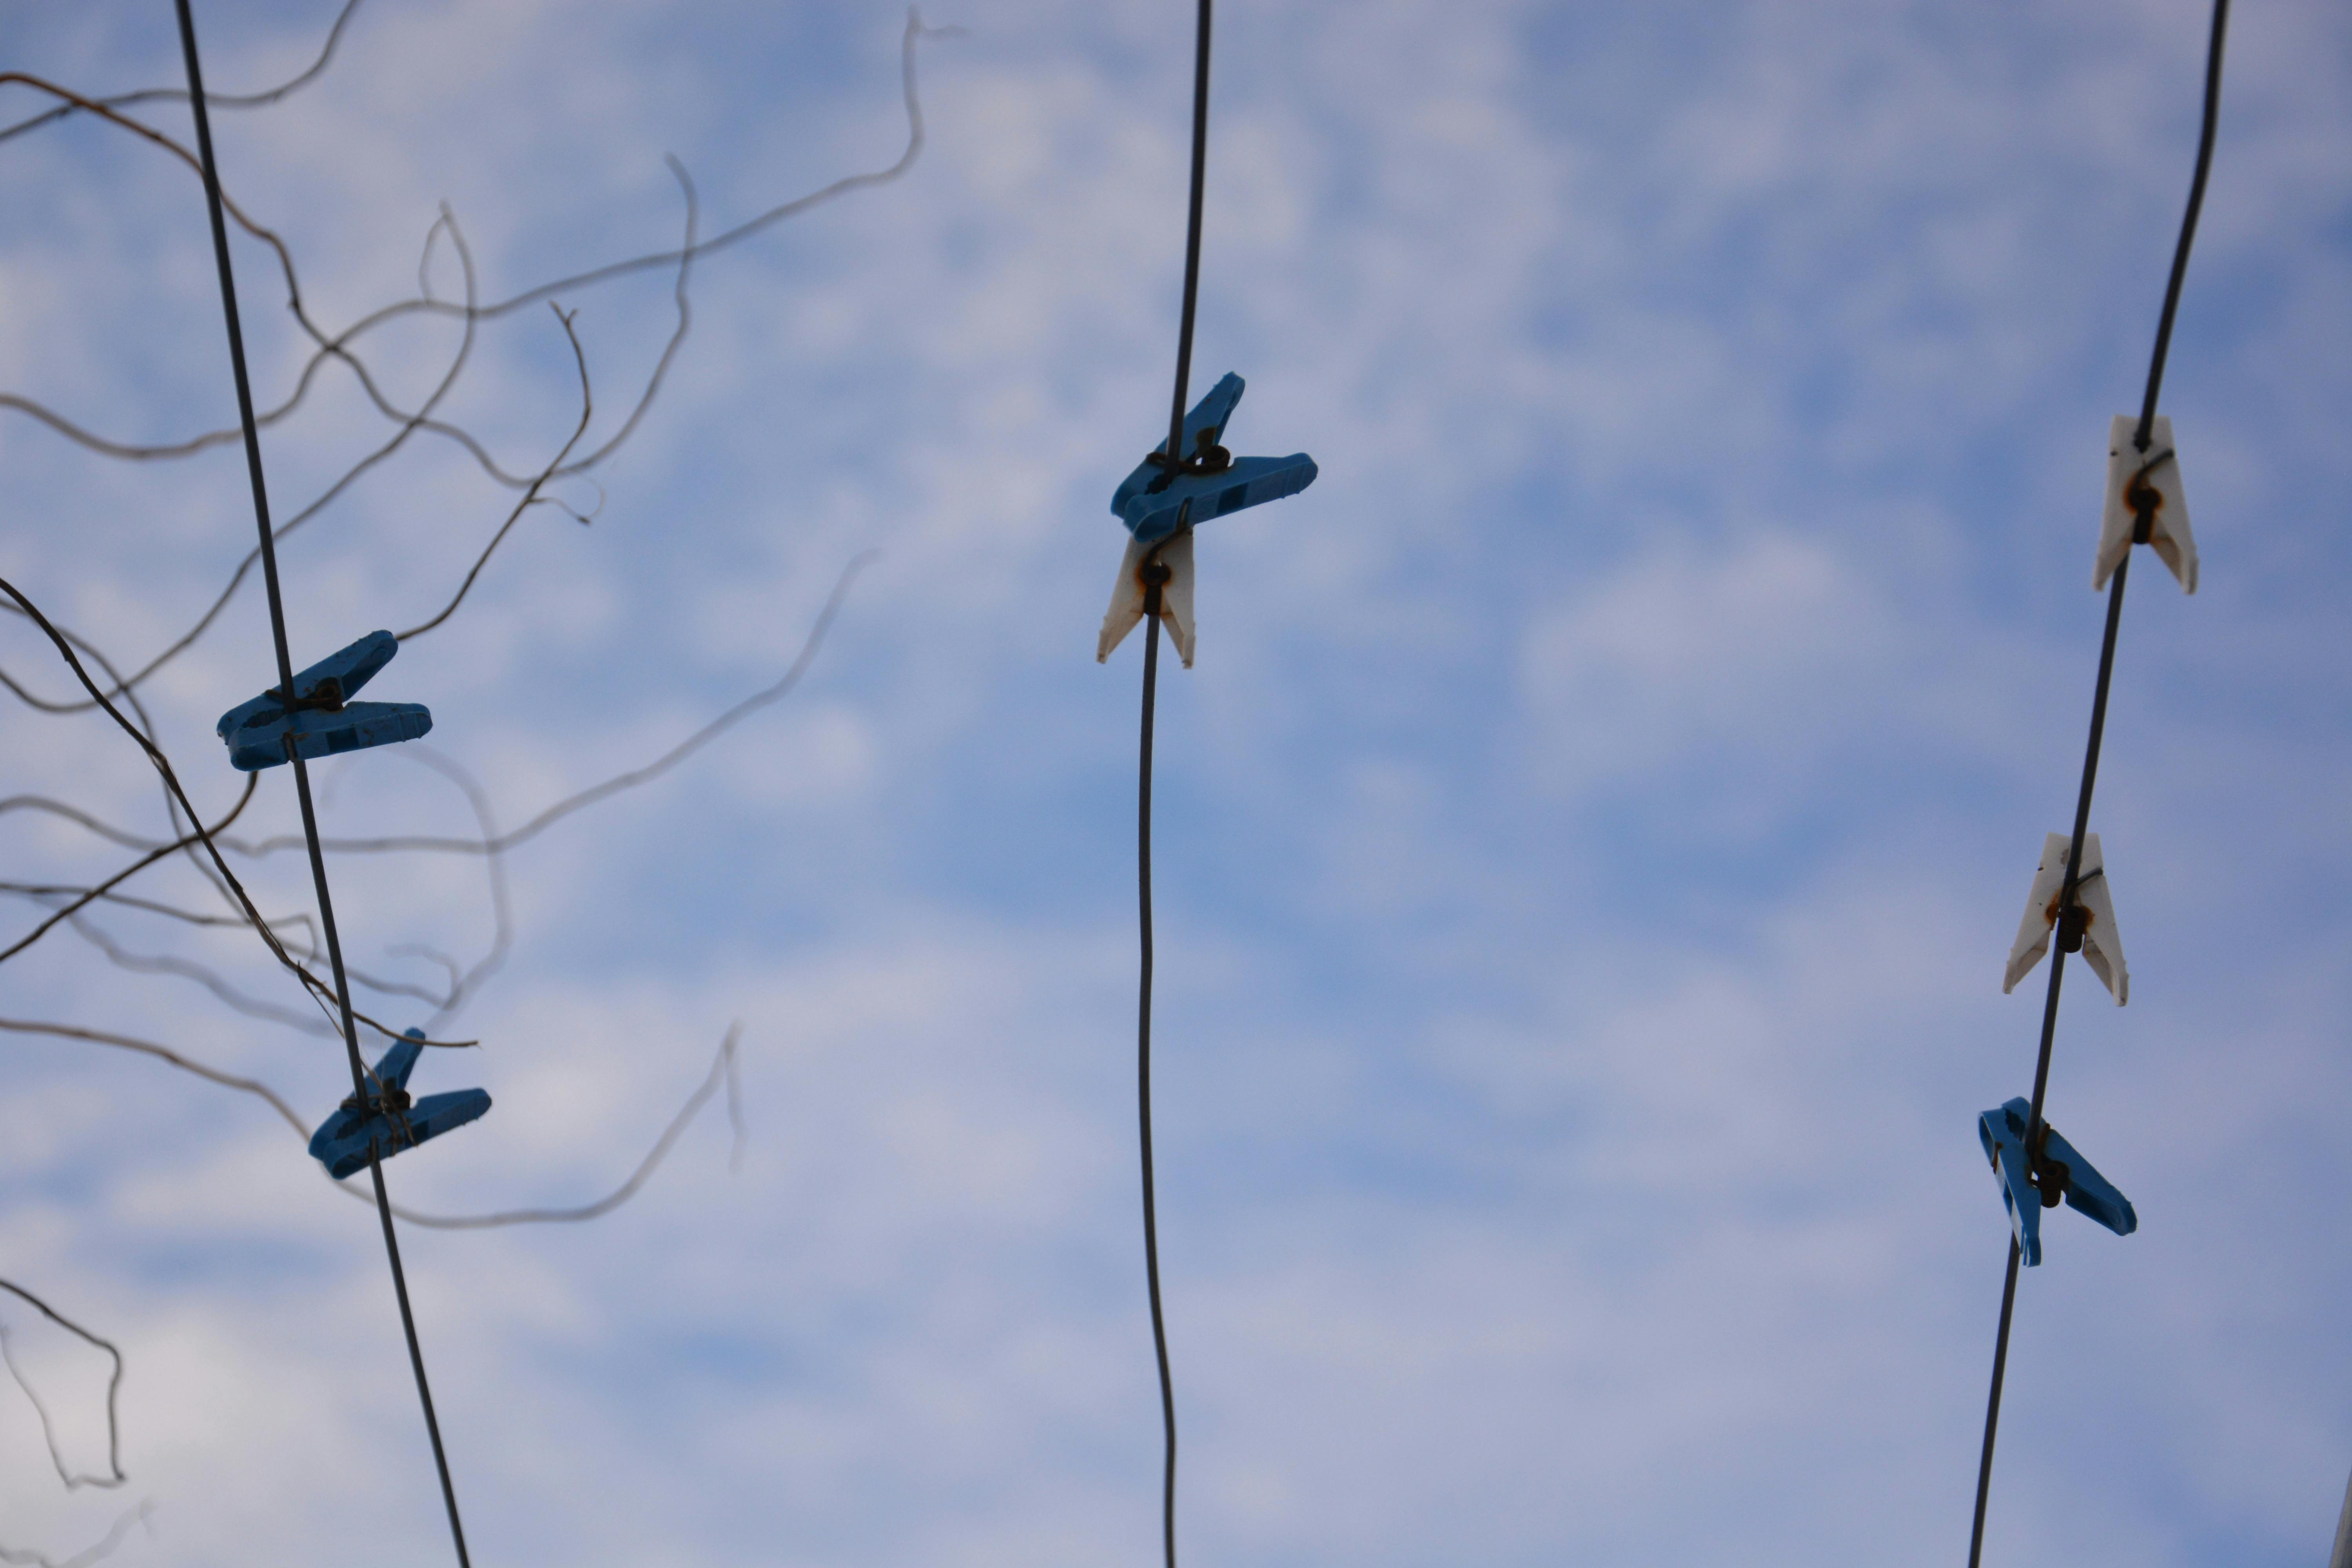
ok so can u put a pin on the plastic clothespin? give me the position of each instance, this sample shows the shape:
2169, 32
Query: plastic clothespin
1160, 504
390, 1119
2032, 1181
322, 718
1127, 600
2133, 474
2090, 925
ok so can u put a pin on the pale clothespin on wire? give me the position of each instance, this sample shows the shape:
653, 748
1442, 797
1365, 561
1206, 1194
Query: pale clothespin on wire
2087, 924
2149, 479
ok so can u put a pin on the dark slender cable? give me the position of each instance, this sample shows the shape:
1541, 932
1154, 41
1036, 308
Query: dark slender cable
2187, 223
2143, 502
2082, 831
1155, 574
1992, 1404
1191, 237
1144, 1063
2009, 1289
301, 771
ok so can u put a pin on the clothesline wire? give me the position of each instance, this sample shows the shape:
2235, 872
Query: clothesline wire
2187, 223
2142, 501
213, 207
1192, 236
1143, 1073
1155, 575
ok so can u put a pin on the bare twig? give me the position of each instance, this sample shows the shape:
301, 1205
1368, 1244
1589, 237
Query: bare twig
562, 808
352, 476
22, 1557
73, 1479
723, 1072
188, 968
317, 987
214, 99
252, 782
336, 344
531, 496
462, 985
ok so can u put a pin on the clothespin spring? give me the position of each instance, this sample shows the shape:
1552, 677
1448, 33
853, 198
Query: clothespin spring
1207, 457
2143, 498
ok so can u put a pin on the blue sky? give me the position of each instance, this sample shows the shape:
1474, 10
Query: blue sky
1586, 845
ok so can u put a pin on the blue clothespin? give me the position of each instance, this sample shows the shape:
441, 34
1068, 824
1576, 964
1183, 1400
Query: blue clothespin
1211, 480
389, 1118
1160, 502
322, 718
2063, 1172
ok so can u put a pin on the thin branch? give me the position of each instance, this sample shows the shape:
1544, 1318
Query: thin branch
336, 344
351, 476
317, 987
723, 1072
23, 1557
531, 496
212, 100
160, 851
463, 986
45, 891
115, 1476
677, 334
471, 312
186, 969
74, 813
141, 129
164, 1053
595, 793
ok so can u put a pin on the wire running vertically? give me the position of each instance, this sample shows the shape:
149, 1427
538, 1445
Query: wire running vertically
1155, 575
2143, 501
301, 772
1143, 1060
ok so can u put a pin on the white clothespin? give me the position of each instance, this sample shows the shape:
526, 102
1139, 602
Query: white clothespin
1127, 596
2102, 947
2159, 470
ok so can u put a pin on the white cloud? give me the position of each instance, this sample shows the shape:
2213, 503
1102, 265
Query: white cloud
1586, 845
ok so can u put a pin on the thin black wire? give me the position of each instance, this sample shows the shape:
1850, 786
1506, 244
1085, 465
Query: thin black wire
2144, 505
1143, 1068
301, 771
1191, 237
1992, 1404
1155, 575
2188, 223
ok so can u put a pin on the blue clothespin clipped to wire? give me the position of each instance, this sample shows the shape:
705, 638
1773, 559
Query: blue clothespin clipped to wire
1160, 504
2032, 1181
389, 1118
321, 717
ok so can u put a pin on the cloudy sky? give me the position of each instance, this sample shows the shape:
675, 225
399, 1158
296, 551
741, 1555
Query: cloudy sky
1587, 846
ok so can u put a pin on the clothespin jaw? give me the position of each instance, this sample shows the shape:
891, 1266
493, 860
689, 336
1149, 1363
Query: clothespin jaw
2148, 482
2087, 923
392, 1071
2032, 1180
2005, 1146
386, 1118
321, 715
1128, 595
1238, 484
